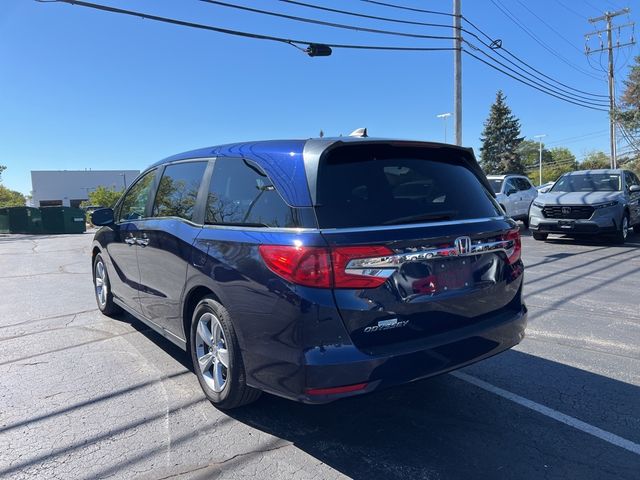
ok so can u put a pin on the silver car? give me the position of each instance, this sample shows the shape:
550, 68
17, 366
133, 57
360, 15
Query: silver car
588, 202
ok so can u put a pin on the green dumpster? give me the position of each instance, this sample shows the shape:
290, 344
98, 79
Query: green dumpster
63, 220
20, 220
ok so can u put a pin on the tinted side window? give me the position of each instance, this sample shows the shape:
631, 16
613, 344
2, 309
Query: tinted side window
178, 190
510, 185
135, 201
522, 183
241, 194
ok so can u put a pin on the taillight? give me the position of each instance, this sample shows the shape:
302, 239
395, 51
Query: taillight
323, 267
514, 252
358, 278
308, 266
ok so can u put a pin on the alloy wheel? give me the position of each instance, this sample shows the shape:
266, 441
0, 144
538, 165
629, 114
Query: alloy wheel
212, 352
101, 283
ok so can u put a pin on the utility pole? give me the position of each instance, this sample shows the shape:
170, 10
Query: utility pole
457, 71
540, 137
608, 17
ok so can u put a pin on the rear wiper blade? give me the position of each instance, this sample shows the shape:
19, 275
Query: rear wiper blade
430, 217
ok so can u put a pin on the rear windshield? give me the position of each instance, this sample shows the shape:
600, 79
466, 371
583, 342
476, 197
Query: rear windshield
496, 184
373, 187
588, 182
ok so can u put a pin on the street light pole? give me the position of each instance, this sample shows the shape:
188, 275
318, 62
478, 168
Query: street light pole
457, 71
444, 116
124, 179
540, 141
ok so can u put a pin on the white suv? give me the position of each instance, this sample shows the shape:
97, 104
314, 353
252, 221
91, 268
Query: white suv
514, 194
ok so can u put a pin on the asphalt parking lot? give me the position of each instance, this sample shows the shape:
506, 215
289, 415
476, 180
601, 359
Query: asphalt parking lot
86, 396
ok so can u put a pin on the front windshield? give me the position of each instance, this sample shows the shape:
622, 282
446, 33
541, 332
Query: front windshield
496, 184
588, 182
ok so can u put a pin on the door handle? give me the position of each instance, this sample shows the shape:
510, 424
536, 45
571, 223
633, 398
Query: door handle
130, 241
143, 242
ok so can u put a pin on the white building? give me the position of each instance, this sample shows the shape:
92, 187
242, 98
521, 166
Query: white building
70, 187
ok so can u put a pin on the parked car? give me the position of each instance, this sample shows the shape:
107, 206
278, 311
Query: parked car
545, 187
589, 202
316, 269
515, 194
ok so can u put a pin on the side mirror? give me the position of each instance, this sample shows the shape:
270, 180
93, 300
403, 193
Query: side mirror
634, 188
511, 191
102, 217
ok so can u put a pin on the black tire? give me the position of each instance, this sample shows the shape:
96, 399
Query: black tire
623, 232
234, 392
525, 221
636, 229
539, 236
105, 303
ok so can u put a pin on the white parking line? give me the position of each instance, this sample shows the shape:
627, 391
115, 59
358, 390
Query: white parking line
551, 413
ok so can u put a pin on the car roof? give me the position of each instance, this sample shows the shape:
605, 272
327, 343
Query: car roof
502, 177
596, 171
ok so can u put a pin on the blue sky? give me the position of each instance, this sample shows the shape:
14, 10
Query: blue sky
81, 88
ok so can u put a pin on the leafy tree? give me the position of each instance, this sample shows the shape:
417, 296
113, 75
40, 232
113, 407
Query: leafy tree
501, 139
2, 169
629, 113
11, 198
595, 160
529, 151
103, 197
560, 161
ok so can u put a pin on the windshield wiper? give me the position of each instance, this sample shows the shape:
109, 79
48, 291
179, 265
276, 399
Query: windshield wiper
431, 217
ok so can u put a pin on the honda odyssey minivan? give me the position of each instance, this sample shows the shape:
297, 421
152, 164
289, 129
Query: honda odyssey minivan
315, 269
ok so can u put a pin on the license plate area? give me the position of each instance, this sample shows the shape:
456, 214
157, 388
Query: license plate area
566, 224
438, 276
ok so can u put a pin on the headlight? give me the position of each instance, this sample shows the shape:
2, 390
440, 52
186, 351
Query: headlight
538, 204
606, 205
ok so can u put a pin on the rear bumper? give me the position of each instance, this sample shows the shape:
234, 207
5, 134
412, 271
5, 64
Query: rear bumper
328, 366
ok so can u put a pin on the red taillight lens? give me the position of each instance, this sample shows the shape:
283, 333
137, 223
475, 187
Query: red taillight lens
324, 267
308, 266
513, 254
341, 256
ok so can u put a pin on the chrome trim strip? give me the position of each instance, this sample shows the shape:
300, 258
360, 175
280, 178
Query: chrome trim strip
384, 266
262, 229
412, 225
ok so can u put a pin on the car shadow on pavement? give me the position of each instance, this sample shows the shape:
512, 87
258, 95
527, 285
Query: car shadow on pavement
447, 428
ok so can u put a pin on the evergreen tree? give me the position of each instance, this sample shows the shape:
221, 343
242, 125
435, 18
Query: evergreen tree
500, 140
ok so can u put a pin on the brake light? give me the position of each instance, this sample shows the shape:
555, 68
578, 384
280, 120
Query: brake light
323, 267
513, 253
308, 266
341, 256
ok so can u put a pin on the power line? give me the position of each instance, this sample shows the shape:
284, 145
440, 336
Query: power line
326, 24
542, 87
544, 22
515, 57
531, 85
559, 91
363, 15
544, 45
496, 51
411, 9
583, 17
239, 33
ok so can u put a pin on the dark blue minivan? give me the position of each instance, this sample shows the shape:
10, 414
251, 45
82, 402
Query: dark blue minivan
315, 269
